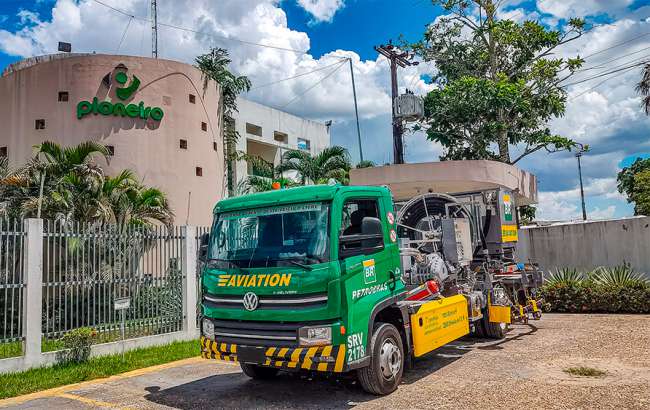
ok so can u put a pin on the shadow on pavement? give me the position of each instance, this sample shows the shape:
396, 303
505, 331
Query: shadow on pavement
296, 390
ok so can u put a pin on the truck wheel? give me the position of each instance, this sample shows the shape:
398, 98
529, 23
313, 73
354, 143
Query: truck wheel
487, 329
384, 373
258, 372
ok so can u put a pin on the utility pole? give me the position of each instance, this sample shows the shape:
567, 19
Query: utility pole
356, 109
402, 59
154, 29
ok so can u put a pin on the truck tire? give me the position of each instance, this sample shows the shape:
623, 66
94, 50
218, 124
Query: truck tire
489, 330
384, 373
258, 372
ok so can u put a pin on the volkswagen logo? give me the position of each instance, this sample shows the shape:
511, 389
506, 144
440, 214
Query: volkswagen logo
250, 301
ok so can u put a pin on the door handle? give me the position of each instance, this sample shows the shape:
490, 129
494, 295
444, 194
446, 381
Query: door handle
391, 282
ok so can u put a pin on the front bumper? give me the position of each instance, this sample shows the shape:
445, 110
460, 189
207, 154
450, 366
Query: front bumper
319, 358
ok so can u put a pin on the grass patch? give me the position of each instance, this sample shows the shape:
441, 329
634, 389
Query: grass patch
585, 371
16, 384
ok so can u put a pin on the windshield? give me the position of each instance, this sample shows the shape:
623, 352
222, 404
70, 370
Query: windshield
284, 235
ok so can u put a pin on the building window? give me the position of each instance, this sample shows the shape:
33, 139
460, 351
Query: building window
111, 150
3, 152
253, 129
192, 99
183, 144
204, 126
215, 146
39, 124
304, 144
63, 96
281, 137
199, 171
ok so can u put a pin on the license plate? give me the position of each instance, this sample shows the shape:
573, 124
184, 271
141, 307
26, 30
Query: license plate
248, 354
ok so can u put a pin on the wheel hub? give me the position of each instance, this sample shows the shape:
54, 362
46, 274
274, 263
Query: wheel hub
390, 359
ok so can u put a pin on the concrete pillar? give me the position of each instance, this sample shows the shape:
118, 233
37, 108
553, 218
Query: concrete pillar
33, 300
189, 279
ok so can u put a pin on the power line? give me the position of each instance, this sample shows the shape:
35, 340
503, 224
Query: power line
318, 82
251, 43
123, 35
293, 77
617, 45
600, 83
603, 64
606, 74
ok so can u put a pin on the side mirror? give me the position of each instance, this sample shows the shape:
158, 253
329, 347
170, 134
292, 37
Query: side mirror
371, 226
204, 240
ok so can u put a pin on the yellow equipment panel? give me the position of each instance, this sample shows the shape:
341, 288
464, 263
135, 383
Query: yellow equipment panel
439, 322
499, 314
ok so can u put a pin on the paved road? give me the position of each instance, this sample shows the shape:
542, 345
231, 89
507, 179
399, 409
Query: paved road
523, 371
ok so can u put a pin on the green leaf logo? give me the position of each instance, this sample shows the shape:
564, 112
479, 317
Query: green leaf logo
124, 93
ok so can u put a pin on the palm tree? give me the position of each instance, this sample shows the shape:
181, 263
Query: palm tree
332, 162
214, 66
643, 88
263, 176
75, 189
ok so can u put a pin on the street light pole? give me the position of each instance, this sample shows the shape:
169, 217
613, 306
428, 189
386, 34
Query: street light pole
582, 190
356, 109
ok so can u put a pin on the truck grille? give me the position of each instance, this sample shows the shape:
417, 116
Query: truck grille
268, 302
259, 333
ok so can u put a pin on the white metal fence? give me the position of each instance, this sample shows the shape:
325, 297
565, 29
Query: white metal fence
11, 287
56, 277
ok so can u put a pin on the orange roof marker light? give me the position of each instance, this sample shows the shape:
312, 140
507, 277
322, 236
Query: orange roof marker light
276, 185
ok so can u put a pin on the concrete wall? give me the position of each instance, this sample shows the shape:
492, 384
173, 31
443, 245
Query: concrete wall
29, 91
271, 120
587, 245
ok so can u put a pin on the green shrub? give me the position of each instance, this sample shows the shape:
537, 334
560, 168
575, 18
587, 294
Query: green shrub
565, 276
622, 275
592, 297
76, 345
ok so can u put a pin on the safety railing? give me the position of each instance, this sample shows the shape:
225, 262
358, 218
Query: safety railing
12, 286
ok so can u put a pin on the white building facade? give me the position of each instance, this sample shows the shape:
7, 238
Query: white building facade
269, 133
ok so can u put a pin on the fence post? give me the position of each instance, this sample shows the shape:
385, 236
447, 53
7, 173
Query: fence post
189, 279
32, 300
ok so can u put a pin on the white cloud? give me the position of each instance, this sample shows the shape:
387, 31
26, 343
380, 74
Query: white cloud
565, 205
579, 8
322, 10
606, 213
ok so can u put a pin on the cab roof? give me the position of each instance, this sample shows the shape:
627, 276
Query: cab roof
309, 193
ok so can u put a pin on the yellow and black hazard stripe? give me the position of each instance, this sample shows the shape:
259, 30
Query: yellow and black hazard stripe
319, 358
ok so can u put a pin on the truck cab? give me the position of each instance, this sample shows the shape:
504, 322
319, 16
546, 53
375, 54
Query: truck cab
294, 279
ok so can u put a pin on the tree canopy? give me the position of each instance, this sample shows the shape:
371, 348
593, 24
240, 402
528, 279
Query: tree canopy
634, 182
497, 82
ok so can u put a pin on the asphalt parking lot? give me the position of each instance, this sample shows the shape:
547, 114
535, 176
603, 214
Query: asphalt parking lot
523, 371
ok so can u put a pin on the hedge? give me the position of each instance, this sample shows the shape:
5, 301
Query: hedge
589, 297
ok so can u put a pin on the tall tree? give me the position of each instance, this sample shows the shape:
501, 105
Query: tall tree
214, 66
332, 162
643, 88
634, 182
498, 83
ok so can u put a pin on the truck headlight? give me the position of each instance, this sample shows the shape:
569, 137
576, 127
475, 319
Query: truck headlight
208, 329
315, 336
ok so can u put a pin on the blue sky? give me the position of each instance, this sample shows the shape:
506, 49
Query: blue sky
605, 115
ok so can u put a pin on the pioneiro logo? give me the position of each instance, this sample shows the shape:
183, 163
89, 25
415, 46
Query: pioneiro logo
119, 109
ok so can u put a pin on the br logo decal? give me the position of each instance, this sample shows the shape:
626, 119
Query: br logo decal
369, 274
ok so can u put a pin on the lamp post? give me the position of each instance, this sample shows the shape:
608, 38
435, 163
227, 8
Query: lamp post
583, 149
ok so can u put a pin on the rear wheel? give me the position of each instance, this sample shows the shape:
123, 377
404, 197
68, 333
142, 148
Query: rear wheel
490, 330
258, 372
384, 373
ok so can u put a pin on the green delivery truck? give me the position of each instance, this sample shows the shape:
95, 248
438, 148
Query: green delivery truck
332, 278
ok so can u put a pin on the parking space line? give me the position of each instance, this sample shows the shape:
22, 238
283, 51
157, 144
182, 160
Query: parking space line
92, 402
